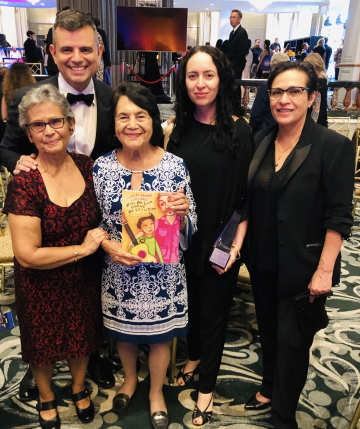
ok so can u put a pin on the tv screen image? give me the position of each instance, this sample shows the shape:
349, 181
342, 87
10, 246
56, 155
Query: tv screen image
151, 29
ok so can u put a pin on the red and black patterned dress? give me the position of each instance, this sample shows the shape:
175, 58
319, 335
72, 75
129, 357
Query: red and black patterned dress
59, 310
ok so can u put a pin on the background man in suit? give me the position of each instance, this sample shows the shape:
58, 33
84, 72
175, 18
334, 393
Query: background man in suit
51, 66
77, 53
328, 53
31, 53
276, 43
237, 46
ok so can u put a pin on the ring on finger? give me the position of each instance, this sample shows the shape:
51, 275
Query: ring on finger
19, 162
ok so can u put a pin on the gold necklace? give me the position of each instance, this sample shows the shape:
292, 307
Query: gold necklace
281, 152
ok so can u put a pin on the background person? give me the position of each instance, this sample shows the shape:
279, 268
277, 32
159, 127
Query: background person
328, 53
319, 49
261, 116
93, 107
153, 310
237, 46
249, 60
276, 43
300, 190
320, 103
305, 51
31, 51
263, 68
54, 274
337, 61
19, 75
256, 50
217, 147
14, 53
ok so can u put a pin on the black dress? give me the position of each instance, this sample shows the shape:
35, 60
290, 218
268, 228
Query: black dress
218, 181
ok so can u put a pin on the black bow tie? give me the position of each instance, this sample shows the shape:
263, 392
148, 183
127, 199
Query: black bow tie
87, 99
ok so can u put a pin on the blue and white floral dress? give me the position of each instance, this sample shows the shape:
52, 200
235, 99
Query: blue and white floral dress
146, 303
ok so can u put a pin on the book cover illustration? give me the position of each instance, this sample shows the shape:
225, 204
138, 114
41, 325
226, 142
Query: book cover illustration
150, 228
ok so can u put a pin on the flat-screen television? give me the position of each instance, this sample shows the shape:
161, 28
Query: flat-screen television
151, 29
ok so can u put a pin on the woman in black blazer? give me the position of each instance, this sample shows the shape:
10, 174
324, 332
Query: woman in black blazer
300, 194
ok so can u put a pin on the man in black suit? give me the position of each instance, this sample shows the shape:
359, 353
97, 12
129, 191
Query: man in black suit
31, 53
328, 53
77, 53
237, 46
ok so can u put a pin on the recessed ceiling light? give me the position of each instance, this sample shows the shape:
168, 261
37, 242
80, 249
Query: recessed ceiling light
206, 8
298, 5
251, 9
211, 4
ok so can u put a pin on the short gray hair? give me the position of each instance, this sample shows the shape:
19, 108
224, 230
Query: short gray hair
238, 12
278, 58
72, 20
43, 94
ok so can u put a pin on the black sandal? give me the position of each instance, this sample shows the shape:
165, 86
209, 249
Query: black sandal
188, 377
205, 415
54, 423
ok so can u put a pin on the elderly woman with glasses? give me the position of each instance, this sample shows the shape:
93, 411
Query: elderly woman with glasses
53, 216
300, 195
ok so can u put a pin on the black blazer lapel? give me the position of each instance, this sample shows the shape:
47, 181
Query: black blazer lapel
302, 149
260, 154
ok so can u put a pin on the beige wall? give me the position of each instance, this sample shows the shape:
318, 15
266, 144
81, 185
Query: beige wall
255, 25
40, 20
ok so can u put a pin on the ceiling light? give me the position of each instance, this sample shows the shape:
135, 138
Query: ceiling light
33, 2
206, 8
261, 4
251, 9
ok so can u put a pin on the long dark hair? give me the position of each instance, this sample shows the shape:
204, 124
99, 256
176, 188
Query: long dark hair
227, 103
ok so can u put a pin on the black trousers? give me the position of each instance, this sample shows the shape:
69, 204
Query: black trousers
210, 299
285, 350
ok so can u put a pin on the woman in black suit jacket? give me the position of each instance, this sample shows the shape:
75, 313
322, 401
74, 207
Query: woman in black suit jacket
300, 192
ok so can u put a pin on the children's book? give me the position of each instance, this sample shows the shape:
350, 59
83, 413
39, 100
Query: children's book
150, 227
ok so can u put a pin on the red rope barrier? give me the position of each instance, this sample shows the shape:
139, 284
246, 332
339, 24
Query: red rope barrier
150, 83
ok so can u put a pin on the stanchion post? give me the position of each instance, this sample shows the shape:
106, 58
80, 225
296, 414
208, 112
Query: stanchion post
123, 65
171, 77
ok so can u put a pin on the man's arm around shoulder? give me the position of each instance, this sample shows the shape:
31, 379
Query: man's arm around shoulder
15, 142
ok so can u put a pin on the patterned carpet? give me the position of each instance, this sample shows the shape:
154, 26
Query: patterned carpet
328, 400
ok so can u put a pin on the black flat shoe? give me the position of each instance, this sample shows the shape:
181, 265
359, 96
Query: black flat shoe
54, 423
100, 371
85, 415
254, 404
160, 420
188, 377
28, 390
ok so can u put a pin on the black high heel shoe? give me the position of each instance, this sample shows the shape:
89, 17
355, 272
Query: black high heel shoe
188, 377
54, 423
205, 415
85, 415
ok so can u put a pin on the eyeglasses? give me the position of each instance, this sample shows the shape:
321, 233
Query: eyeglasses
39, 126
293, 91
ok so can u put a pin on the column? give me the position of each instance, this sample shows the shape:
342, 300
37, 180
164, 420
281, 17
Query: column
351, 48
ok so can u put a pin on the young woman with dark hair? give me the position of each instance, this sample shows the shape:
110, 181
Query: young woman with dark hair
300, 189
217, 146
263, 68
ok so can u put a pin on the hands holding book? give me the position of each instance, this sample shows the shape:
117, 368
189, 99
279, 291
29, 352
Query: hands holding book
118, 255
180, 206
